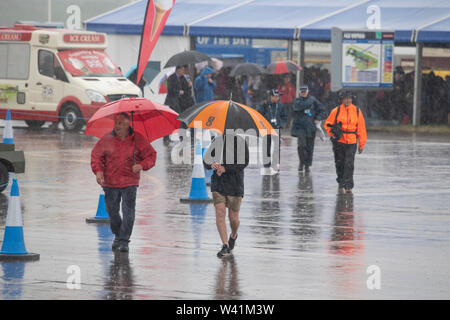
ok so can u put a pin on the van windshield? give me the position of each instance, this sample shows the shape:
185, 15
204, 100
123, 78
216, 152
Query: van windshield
88, 63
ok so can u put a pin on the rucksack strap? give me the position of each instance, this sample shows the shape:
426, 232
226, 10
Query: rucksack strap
357, 120
337, 113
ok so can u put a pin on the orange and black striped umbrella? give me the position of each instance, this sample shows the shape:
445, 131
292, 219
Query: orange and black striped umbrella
221, 115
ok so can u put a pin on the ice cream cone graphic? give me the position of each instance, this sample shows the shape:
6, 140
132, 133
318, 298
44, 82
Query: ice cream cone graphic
161, 7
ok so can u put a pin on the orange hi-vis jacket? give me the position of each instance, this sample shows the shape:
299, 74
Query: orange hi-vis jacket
352, 121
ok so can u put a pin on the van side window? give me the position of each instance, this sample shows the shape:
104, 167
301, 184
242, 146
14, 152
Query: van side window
49, 66
14, 61
3, 60
45, 63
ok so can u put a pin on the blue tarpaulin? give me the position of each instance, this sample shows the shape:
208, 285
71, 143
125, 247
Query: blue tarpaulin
266, 18
438, 32
401, 16
426, 21
129, 19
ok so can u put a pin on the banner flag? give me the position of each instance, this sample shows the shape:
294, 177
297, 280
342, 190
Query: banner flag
155, 18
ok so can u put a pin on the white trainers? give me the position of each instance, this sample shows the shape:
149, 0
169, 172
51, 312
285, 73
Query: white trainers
268, 171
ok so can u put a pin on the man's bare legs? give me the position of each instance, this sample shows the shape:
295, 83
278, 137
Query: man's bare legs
221, 212
233, 216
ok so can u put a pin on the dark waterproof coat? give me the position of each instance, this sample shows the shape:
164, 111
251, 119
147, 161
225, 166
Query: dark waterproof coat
306, 110
173, 92
275, 113
231, 182
186, 99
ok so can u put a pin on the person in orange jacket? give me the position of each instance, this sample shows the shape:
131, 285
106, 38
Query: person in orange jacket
347, 129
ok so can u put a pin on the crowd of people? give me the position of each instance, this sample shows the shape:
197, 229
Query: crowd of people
395, 106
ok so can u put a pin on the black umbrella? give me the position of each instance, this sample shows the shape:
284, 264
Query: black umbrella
186, 57
248, 68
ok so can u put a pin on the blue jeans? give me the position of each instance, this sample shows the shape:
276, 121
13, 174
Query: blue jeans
121, 228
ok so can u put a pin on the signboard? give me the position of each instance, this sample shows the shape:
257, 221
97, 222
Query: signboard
362, 59
236, 48
15, 36
223, 42
84, 38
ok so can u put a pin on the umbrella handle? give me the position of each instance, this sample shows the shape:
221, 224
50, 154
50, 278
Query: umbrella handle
134, 139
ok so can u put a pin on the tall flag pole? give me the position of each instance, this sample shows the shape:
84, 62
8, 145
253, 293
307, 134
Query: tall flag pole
155, 18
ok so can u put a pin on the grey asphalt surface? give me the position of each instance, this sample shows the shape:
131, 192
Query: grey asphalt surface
298, 239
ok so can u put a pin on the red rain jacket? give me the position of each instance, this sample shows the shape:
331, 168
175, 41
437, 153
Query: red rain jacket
287, 92
115, 158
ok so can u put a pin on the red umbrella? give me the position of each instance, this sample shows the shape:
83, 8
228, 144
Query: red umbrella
281, 67
150, 119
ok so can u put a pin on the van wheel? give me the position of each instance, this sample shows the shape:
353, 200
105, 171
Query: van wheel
34, 124
71, 118
4, 177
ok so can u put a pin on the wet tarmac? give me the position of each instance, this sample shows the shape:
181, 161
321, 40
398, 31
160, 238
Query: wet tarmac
297, 240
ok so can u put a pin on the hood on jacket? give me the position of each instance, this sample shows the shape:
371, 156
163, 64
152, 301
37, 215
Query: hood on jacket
206, 71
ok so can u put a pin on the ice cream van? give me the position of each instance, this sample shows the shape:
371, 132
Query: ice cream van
57, 75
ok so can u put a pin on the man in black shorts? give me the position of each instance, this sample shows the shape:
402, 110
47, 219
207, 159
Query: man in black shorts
227, 184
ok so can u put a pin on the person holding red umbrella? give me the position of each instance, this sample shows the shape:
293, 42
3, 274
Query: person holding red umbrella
117, 160
288, 95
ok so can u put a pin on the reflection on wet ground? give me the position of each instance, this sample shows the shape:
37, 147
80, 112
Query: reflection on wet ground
227, 286
120, 282
297, 239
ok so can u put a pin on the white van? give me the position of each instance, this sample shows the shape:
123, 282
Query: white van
57, 75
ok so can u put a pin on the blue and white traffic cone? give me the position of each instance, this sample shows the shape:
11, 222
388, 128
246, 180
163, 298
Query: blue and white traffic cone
198, 191
206, 142
102, 215
8, 136
13, 248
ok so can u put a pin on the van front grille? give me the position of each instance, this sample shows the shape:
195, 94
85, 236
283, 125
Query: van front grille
114, 97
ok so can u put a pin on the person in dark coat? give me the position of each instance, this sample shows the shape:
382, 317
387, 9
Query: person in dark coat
235, 87
174, 90
186, 99
174, 93
276, 115
227, 184
307, 112
447, 87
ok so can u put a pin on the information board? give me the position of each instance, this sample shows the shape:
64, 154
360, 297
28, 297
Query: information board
362, 59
